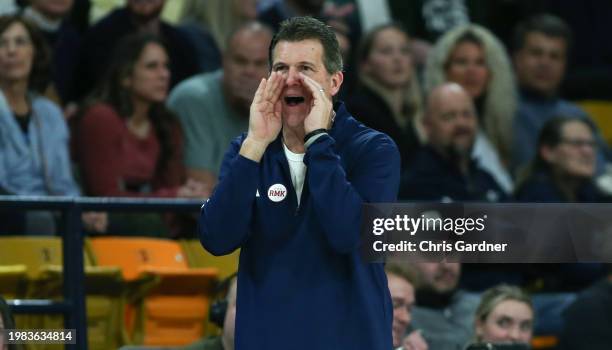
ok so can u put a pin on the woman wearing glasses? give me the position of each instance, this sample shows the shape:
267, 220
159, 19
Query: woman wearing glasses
564, 167
563, 172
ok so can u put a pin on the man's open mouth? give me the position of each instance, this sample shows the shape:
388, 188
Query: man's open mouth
294, 100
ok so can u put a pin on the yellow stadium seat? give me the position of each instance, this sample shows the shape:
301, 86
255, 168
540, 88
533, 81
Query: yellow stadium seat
43, 278
601, 113
12, 280
227, 265
197, 256
174, 310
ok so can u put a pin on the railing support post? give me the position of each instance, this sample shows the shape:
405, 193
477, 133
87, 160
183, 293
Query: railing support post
74, 275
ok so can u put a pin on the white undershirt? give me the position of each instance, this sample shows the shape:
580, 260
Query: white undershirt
297, 168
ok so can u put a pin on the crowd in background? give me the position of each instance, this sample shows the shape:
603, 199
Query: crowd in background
476, 95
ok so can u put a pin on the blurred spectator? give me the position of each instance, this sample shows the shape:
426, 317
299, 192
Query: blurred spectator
63, 39
444, 313
587, 322
564, 166
34, 137
283, 9
8, 7
128, 143
401, 283
6, 322
474, 58
444, 169
562, 171
226, 340
540, 55
220, 18
589, 73
505, 315
429, 19
136, 16
388, 97
214, 107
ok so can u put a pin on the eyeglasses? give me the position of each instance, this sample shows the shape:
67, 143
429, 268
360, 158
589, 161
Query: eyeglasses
577, 143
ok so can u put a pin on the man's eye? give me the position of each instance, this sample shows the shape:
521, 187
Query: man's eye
504, 322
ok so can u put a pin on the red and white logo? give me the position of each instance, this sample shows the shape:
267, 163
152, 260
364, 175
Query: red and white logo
277, 192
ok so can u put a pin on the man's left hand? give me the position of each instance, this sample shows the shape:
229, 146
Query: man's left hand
321, 110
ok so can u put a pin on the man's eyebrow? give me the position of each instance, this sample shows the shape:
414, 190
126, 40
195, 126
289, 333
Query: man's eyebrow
299, 63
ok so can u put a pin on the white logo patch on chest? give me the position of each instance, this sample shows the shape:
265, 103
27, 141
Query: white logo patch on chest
277, 192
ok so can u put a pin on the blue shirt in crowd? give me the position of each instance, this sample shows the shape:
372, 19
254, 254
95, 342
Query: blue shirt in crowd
36, 162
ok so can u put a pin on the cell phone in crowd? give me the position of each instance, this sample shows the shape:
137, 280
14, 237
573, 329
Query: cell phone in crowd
490, 346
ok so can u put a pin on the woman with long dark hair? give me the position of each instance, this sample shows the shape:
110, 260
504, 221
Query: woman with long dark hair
128, 142
563, 172
564, 167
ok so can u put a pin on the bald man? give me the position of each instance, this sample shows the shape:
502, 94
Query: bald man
443, 170
214, 107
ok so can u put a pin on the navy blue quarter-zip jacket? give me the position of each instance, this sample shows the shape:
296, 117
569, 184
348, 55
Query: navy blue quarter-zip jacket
302, 283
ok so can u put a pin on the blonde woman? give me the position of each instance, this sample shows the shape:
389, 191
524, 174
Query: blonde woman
505, 315
219, 17
474, 58
388, 96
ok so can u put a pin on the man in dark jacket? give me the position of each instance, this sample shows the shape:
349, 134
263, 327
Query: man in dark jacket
136, 16
588, 321
290, 195
443, 170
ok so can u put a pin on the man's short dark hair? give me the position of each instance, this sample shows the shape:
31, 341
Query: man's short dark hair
304, 28
547, 24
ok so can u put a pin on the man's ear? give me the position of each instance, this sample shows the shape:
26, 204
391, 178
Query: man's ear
336, 81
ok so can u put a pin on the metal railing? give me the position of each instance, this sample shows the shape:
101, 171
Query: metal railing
73, 306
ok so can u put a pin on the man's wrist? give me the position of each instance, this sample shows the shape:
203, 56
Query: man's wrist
253, 149
314, 133
313, 139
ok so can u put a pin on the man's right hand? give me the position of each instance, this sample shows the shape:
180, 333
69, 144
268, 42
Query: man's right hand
415, 341
265, 117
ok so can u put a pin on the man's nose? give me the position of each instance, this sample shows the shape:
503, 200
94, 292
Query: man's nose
515, 334
250, 70
403, 316
293, 77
